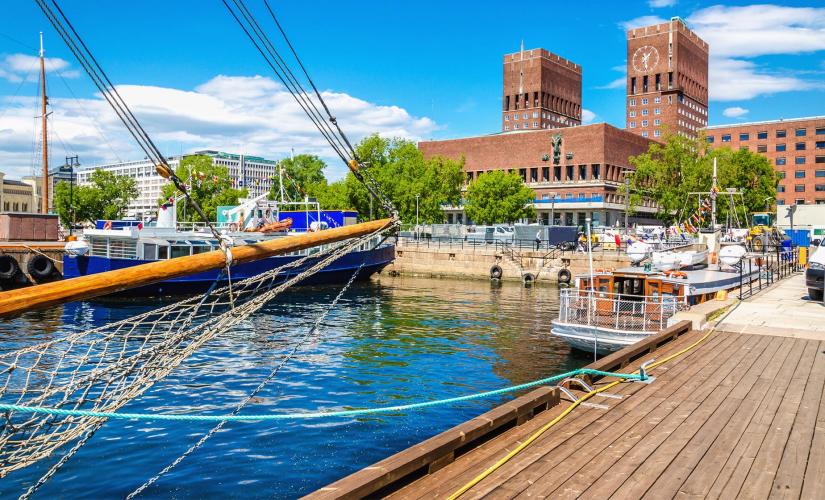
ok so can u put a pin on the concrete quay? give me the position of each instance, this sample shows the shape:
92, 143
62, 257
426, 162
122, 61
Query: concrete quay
461, 260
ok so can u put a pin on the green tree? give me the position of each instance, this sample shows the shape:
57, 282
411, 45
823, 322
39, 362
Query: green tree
332, 196
496, 197
401, 172
307, 171
107, 197
208, 184
668, 172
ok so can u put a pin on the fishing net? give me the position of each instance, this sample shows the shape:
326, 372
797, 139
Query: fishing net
104, 368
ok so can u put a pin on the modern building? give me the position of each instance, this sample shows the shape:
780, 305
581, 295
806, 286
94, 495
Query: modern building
252, 172
16, 196
541, 90
667, 80
579, 179
56, 176
795, 147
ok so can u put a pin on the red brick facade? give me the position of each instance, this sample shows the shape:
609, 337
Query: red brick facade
667, 80
586, 181
796, 149
541, 90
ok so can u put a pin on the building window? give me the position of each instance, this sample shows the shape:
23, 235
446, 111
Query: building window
535, 124
645, 112
644, 123
657, 121
644, 133
726, 138
780, 160
762, 148
657, 111
744, 137
801, 132
799, 160
507, 127
780, 147
632, 114
780, 202
710, 139
799, 174
820, 174
632, 124
762, 135
799, 201
657, 133
780, 134
820, 144
515, 127
818, 188
507, 118
524, 116
644, 101
800, 146
535, 114
670, 99
633, 102
799, 188
780, 188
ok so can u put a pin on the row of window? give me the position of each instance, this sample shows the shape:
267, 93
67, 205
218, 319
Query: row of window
799, 132
15, 207
800, 188
801, 201
799, 160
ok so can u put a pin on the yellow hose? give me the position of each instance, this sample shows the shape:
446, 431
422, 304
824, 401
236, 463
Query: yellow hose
569, 409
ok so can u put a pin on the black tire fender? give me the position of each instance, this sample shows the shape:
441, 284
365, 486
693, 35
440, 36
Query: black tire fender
528, 279
564, 276
496, 272
40, 267
8, 267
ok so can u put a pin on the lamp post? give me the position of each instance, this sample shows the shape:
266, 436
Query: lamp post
416, 215
627, 174
553, 208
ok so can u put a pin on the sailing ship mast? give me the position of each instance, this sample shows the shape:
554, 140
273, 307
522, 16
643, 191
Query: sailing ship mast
44, 205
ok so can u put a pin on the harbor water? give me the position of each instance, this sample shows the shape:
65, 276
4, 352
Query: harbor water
390, 341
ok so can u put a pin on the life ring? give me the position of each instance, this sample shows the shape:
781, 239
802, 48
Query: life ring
528, 279
8, 267
40, 267
107, 225
496, 272
564, 276
676, 274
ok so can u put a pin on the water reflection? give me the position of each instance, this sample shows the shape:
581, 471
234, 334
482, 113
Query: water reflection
390, 341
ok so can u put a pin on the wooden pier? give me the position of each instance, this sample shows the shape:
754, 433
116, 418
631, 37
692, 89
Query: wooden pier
738, 415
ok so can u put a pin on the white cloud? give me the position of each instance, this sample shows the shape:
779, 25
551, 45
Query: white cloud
737, 35
587, 116
17, 67
253, 115
641, 21
658, 4
734, 112
618, 83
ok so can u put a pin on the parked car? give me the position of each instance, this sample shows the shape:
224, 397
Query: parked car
815, 275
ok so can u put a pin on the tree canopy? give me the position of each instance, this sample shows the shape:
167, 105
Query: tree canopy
209, 185
305, 171
668, 172
497, 196
107, 197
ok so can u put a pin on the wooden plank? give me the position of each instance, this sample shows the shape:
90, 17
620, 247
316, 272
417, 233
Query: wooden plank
95, 285
560, 465
458, 473
672, 408
763, 471
439, 449
813, 485
635, 458
732, 416
790, 475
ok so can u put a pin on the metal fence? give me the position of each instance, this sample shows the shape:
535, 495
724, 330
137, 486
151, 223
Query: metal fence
618, 311
759, 271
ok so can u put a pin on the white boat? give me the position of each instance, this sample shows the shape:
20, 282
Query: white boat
731, 255
678, 259
639, 251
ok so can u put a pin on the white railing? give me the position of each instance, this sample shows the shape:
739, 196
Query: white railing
618, 311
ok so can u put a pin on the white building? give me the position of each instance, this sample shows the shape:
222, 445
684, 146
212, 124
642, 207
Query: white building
252, 172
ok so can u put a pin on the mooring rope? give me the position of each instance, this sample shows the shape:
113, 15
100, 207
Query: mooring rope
310, 415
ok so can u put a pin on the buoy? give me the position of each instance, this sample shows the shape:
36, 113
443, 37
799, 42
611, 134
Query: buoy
40, 267
564, 276
496, 272
527, 279
8, 267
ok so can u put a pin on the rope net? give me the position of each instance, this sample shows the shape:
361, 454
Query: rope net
104, 368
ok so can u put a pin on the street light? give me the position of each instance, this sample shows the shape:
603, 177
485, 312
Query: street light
416, 215
627, 174
553, 208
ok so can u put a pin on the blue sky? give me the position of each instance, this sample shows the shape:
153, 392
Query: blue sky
419, 70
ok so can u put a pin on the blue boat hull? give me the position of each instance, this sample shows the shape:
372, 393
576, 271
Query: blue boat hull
339, 271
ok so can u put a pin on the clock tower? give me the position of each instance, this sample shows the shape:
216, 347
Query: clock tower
667, 80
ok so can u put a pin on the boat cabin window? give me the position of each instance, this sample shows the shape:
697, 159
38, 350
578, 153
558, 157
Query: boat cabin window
180, 251
200, 247
163, 252
150, 251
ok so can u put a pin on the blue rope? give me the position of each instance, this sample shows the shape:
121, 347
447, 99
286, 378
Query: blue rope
298, 416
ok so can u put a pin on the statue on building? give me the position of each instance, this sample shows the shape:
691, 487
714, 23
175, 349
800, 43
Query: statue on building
556, 149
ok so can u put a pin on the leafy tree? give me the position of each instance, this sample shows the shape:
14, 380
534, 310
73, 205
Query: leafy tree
332, 196
305, 170
108, 197
496, 197
401, 172
208, 184
668, 172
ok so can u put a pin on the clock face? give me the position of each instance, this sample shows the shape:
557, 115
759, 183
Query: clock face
645, 59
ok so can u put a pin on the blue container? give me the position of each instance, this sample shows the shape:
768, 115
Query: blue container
799, 237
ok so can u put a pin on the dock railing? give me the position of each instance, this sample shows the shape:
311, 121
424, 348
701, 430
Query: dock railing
623, 312
760, 270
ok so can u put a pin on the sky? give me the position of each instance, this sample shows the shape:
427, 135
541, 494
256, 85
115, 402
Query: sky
422, 70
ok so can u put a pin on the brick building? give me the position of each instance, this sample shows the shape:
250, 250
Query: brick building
541, 90
583, 180
667, 80
796, 148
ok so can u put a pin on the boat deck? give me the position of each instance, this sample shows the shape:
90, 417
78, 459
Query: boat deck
738, 416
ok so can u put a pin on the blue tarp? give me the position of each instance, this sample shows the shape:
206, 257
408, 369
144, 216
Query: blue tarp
799, 237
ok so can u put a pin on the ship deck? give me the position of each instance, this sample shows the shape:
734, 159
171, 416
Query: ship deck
739, 415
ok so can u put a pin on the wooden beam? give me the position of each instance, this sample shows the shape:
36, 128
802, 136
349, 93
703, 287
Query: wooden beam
95, 285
